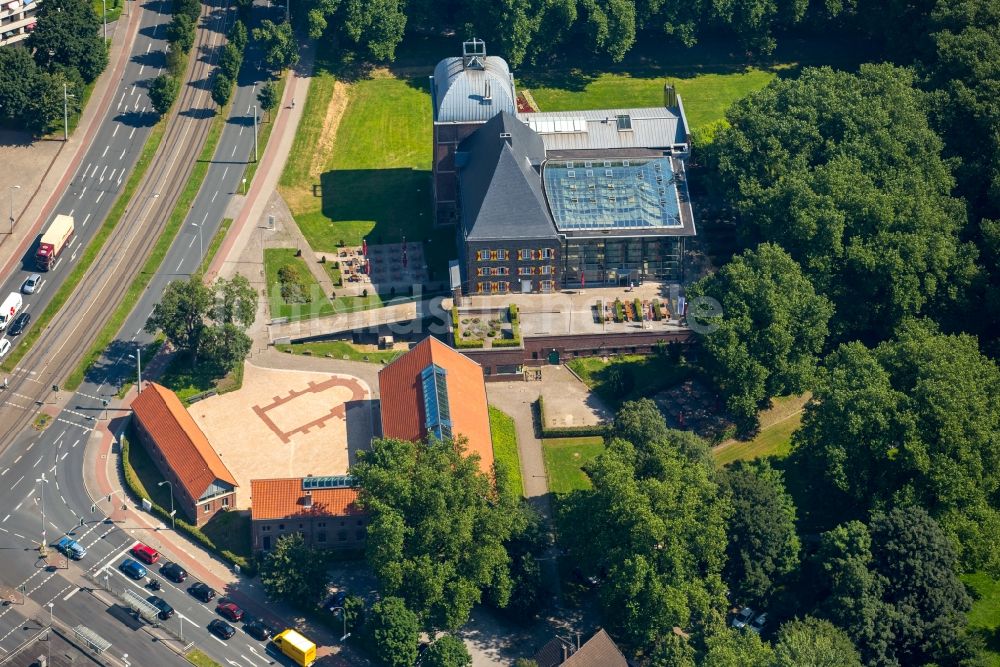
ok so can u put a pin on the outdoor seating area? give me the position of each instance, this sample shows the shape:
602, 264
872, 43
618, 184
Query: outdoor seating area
631, 310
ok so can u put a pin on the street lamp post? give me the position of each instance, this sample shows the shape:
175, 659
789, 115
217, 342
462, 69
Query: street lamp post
138, 367
104, 4
255, 133
343, 615
201, 241
173, 520
244, 187
18, 187
43, 548
49, 642
66, 97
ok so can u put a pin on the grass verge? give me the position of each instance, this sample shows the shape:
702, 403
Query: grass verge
188, 382
629, 377
505, 447
265, 133
564, 461
199, 659
215, 244
777, 424
336, 349
984, 618
316, 305
74, 278
152, 264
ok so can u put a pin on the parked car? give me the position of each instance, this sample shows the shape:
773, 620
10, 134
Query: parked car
221, 628
334, 601
589, 581
166, 611
258, 629
759, 623
132, 568
19, 324
202, 591
147, 555
174, 573
31, 284
230, 611
742, 617
4, 347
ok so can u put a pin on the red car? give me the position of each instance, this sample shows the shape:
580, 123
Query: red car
147, 555
230, 611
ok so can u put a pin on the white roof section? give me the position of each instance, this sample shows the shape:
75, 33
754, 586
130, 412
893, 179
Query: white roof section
472, 94
605, 129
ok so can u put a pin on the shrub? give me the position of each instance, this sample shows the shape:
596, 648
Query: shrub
292, 288
638, 310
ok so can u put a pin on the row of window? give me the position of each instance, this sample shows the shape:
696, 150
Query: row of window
483, 271
502, 254
319, 524
503, 286
207, 507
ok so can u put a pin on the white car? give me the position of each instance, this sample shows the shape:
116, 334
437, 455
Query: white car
742, 618
31, 284
4, 347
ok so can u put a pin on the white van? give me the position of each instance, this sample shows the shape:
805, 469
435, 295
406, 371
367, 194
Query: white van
10, 308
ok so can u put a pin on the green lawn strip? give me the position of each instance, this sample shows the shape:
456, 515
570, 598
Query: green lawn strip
984, 617
187, 381
505, 447
333, 269
706, 96
774, 440
213, 246
163, 243
336, 349
317, 305
264, 133
114, 8
564, 461
148, 352
649, 374
199, 659
76, 275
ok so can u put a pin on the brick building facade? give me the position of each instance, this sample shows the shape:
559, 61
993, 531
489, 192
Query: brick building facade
321, 509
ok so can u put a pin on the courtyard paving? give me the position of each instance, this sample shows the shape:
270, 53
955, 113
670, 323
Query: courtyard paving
287, 423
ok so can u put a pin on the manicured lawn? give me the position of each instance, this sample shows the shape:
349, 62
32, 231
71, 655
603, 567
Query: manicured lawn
505, 446
648, 374
185, 381
340, 350
372, 179
565, 458
774, 440
317, 305
984, 618
350, 304
706, 96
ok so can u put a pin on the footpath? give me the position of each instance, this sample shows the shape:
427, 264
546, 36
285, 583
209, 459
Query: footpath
42, 169
103, 470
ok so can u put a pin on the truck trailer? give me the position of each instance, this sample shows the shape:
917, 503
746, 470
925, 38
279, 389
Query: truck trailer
9, 309
55, 239
296, 647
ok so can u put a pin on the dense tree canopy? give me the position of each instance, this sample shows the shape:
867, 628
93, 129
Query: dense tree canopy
294, 571
278, 41
162, 92
916, 420
813, 642
447, 651
655, 524
763, 546
770, 332
438, 528
844, 172
69, 34
736, 648
893, 588
394, 631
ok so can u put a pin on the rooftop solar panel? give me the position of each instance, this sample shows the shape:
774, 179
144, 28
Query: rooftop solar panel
631, 194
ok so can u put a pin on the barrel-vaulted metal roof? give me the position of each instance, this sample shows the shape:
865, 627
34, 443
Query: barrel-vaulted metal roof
472, 89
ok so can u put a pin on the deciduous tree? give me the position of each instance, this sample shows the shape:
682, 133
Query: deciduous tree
813, 642
293, 571
68, 33
447, 651
162, 92
222, 89
278, 40
268, 97
180, 32
394, 632
737, 648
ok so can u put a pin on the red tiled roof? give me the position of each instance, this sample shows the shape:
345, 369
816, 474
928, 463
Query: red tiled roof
402, 400
183, 445
285, 498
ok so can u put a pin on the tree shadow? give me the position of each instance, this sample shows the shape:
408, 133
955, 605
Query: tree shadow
149, 59
114, 367
136, 118
200, 113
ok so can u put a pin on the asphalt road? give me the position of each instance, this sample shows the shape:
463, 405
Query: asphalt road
58, 453
106, 166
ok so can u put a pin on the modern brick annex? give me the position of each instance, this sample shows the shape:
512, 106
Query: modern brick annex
323, 510
543, 201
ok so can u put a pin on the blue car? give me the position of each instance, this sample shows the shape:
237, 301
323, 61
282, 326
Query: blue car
132, 568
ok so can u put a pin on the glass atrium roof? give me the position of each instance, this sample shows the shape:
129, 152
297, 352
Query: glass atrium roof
612, 194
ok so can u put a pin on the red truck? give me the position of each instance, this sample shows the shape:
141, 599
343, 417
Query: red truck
55, 239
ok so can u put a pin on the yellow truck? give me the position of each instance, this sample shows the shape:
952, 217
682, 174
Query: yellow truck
296, 647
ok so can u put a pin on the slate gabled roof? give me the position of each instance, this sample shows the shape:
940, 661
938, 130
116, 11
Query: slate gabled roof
501, 189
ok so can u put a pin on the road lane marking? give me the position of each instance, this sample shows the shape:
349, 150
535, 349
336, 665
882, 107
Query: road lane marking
148, 47
71, 594
215, 195
141, 67
62, 498
37, 462
192, 242
71, 212
83, 225
17, 482
99, 198
65, 454
234, 150
5, 471
76, 442
5, 519
121, 157
132, 133
117, 126
177, 270
224, 172
82, 192
105, 150
121, 100
103, 172
20, 456
133, 90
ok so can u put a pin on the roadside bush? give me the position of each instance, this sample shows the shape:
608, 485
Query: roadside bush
180, 32
230, 60
176, 61
222, 88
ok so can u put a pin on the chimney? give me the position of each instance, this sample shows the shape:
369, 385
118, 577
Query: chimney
669, 96
506, 138
307, 501
489, 94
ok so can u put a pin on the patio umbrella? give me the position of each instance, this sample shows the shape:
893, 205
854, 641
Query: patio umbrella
364, 247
